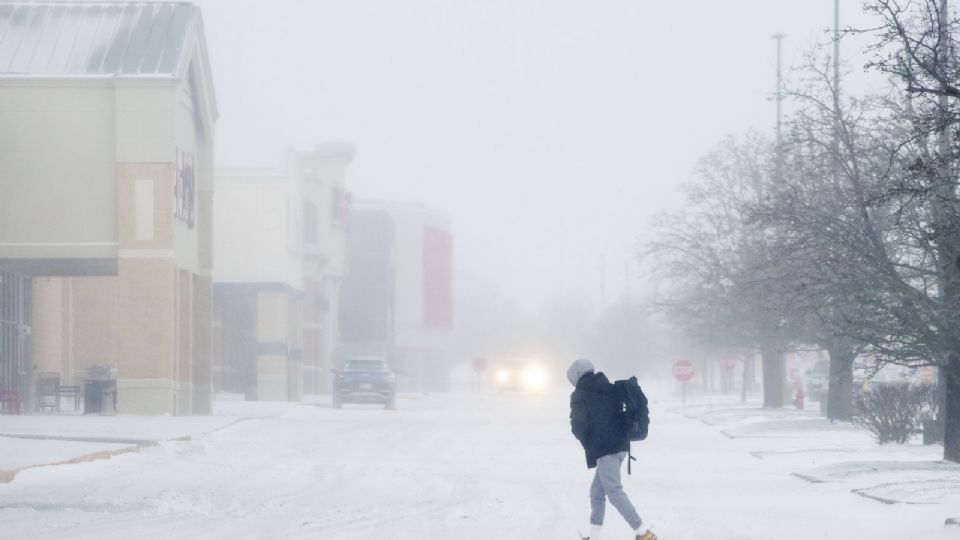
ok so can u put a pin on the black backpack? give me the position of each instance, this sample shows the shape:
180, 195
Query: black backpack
635, 412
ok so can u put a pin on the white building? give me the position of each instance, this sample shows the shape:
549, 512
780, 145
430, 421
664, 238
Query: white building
279, 244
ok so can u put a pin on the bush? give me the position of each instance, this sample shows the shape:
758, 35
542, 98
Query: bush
895, 412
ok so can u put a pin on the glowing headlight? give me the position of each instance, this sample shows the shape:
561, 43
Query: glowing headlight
534, 378
503, 376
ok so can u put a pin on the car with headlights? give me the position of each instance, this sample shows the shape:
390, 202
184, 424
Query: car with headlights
365, 380
519, 376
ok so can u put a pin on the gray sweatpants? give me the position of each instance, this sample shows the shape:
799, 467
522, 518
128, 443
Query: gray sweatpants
606, 485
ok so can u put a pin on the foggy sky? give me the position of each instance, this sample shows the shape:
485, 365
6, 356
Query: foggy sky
550, 131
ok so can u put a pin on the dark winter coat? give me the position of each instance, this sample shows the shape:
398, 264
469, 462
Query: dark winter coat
595, 418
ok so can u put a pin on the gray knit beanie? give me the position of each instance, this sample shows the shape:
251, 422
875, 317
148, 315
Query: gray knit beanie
578, 369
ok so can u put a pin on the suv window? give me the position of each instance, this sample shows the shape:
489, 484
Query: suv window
366, 365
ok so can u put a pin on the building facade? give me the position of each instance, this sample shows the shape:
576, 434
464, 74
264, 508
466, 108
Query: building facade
279, 245
398, 292
107, 115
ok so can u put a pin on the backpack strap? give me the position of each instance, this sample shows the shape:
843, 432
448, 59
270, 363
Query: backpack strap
629, 459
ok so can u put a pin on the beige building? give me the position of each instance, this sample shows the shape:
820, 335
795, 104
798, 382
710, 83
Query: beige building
279, 244
107, 114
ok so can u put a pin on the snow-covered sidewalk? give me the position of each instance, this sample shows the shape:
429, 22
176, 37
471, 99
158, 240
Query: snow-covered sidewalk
819, 451
32, 441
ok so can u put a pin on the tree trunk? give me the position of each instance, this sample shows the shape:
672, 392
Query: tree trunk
945, 212
747, 377
840, 390
950, 378
774, 375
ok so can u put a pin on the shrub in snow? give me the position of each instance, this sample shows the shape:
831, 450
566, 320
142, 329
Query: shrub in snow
894, 412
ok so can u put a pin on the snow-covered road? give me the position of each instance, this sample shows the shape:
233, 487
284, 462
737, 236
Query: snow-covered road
441, 467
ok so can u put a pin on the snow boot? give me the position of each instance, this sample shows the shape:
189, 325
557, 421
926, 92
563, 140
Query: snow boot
594, 533
647, 536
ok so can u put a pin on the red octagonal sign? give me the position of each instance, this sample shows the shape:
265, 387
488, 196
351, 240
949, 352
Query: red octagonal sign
479, 365
684, 370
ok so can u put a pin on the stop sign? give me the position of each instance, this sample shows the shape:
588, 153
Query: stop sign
479, 365
684, 370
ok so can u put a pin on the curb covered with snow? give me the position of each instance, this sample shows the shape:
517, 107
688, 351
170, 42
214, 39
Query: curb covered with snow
60, 453
28, 442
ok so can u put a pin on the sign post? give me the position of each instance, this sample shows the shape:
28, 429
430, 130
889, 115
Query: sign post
479, 366
728, 363
683, 371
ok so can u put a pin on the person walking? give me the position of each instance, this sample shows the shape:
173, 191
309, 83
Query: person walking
595, 419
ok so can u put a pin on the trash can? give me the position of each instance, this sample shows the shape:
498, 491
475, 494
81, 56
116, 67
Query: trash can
109, 399
93, 396
99, 392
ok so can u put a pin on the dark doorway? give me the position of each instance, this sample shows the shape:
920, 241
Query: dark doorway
15, 365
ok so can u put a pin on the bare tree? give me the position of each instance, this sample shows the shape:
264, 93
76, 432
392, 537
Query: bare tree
916, 43
857, 245
877, 246
816, 227
715, 260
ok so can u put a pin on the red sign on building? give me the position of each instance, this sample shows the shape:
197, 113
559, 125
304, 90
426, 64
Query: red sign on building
437, 278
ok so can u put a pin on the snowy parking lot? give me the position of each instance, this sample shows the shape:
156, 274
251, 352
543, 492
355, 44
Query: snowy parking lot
481, 467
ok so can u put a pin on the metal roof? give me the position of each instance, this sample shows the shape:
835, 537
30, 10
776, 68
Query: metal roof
93, 38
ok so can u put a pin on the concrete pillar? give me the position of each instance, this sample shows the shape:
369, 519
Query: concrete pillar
147, 331
150, 295
273, 366
203, 309
184, 350
202, 345
295, 349
50, 327
329, 336
311, 329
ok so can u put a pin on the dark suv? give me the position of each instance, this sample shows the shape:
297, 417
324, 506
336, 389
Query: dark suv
365, 380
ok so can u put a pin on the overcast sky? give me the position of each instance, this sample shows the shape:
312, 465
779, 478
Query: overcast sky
550, 131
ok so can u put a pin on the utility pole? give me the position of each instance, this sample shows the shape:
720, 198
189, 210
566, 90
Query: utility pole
770, 347
943, 57
836, 93
779, 40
